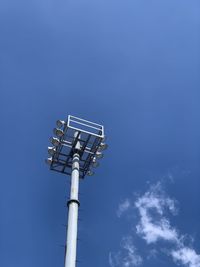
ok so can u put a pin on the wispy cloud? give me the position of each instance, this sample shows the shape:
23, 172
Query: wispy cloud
127, 256
154, 208
186, 256
123, 207
150, 227
154, 226
152, 254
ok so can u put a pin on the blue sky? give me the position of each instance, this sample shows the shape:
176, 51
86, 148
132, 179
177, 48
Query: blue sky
133, 66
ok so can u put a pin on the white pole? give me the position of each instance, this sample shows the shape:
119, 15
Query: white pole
73, 204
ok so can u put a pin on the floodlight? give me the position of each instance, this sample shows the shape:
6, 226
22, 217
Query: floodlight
49, 160
76, 148
102, 147
104, 138
95, 163
60, 123
99, 155
55, 141
90, 173
51, 150
58, 132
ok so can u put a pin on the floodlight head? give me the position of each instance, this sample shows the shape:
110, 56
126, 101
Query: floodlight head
104, 138
95, 163
51, 150
60, 123
90, 173
102, 147
99, 155
55, 141
49, 160
58, 132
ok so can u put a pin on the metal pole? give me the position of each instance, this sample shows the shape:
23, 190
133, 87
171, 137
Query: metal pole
73, 204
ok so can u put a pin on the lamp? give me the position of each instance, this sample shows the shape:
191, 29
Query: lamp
102, 147
99, 155
55, 141
104, 138
95, 163
60, 123
49, 161
90, 173
58, 132
51, 150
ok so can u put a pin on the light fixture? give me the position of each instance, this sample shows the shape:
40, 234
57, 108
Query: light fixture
76, 148
55, 141
102, 147
58, 132
49, 160
95, 163
51, 150
99, 155
90, 173
104, 138
60, 123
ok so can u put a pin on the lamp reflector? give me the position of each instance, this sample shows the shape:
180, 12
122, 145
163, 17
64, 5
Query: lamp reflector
58, 132
55, 141
60, 123
104, 138
95, 163
90, 173
99, 155
49, 160
51, 150
102, 147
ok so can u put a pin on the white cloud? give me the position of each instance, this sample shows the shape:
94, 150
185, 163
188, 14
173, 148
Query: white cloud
124, 206
186, 256
153, 226
152, 254
127, 256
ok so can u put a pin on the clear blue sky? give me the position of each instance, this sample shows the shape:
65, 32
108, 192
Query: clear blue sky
132, 65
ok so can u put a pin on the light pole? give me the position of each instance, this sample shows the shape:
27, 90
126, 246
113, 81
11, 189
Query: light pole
77, 146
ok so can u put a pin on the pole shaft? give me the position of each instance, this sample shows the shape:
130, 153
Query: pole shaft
71, 244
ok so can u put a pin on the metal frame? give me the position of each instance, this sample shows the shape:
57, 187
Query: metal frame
89, 135
91, 125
